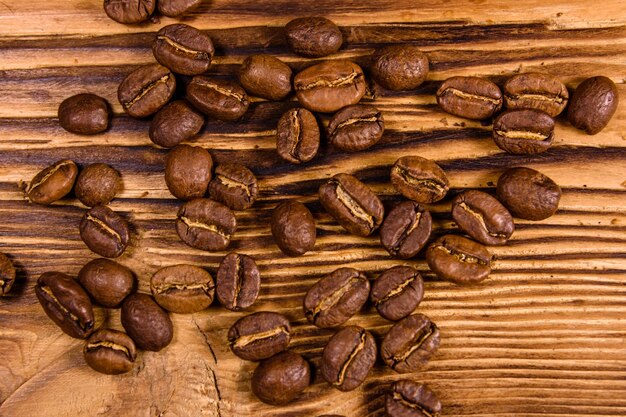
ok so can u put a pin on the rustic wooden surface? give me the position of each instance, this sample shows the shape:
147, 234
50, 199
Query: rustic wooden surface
545, 336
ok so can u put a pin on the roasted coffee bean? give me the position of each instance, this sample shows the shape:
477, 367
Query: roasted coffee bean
145, 90
313, 36
336, 297
234, 185
221, 99
84, 114
330, 86
281, 378
297, 136
104, 232
110, 352
482, 217
538, 91
470, 97
238, 282
259, 335
419, 179
175, 8
66, 303
523, 131
593, 104
406, 230
407, 398
188, 171
352, 203
129, 11
528, 194
182, 289
410, 343
205, 224
397, 292
400, 67
458, 259
174, 123
266, 76
355, 128
183, 49
146, 323
7, 274
53, 183
107, 282
97, 184
293, 228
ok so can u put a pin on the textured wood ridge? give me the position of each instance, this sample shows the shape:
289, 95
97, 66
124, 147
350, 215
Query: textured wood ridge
545, 336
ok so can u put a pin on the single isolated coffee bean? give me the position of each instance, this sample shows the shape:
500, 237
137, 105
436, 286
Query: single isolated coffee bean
470, 97
419, 179
97, 184
293, 228
221, 99
84, 114
336, 297
408, 398
175, 8
281, 378
482, 217
348, 357
400, 67
406, 229
188, 171
66, 303
53, 183
175, 123
266, 76
234, 185
537, 91
259, 336
397, 292
104, 232
7, 274
528, 194
183, 49
523, 131
458, 259
205, 224
352, 203
238, 282
182, 289
313, 36
593, 104
146, 323
297, 136
110, 352
330, 86
129, 11
144, 91
355, 128
107, 281
410, 343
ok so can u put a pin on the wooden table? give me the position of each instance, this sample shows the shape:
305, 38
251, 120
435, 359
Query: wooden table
545, 336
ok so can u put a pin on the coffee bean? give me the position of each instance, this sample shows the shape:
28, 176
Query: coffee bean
406, 230
97, 184
355, 128
104, 232
297, 136
293, 228
129, 11
265, 76
407, 398
469, 97
528, 194
110, 352
188, 171
175, 8
458, 259
410, 343
397, 292
66, 303
221, 99
281, 378
419, 179
84, 114
183, 49
146, 323
538, 91
330, 86
482, 217
53, 183
313, 36
144, 91
259, 335
7, 274
593, 104
352, 203
234, 185
183, 289
523, 131
175, 123
400, 67
336, 297
205, 224
238, 282
107, 282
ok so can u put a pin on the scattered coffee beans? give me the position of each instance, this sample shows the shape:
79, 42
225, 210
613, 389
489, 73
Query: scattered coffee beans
293, 228
407, 398
53, 183
182, 289
110, 352
469, 97
593, 104
313, 36
281, 378
205, 224
146, 323
538, 91
129, 11
482, 217
238, 282
234, 185
397, 292
107, 282
174, 123
259, 336
221, 99
97, 184
175, 8
145, 90
419, 179
266, 76
528, 194
523, 131
355, 128
400, 67
7, 274
297, 136
104, 232
84, 114
188, 171
458, 259
183, 49
410, 343
406, 229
